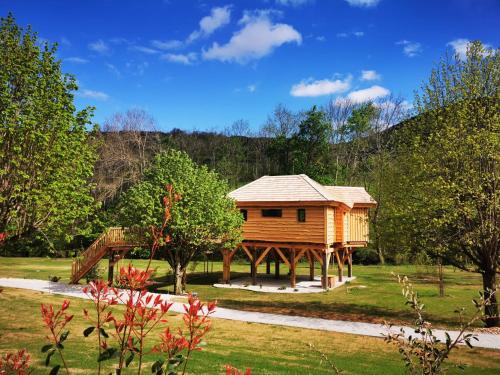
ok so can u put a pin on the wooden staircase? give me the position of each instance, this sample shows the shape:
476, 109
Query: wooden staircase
115, 241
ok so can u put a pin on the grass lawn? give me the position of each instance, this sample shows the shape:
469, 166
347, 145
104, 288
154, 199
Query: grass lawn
266, 349
379, 299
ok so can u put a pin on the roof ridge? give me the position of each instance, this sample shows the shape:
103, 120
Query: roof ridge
303, 176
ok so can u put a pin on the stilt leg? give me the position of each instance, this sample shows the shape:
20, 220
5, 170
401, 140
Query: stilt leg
111, 266
293, 278
349, 264
276, 265
324, 269
253, 269
226, 266
340, 264
310, 256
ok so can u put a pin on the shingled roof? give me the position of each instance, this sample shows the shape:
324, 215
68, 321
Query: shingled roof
350, 195
298, 188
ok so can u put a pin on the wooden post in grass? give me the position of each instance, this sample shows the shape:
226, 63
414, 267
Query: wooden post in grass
340, 264
325, 255
253, 265
226, 264
111, 266
293, 278
349, 264
268, 264
310, 257
276, 265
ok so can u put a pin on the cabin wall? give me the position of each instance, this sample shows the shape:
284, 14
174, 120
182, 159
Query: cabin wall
346, 226
286, 228
330, 224
339, 225
358, 224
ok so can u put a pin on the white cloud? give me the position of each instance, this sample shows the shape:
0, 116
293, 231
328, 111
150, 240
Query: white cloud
76, 60
357, 34
167, 44
293, 3
252, 87
321, 38
365, 95
218, 17
142, 49
113, 69
363, 3
137, 68
186, 59
370, 75
460, 47
99, 46
411, 49
258, 37
91, 94
311, 88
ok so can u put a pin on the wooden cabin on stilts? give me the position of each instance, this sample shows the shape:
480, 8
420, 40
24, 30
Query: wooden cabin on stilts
288, 218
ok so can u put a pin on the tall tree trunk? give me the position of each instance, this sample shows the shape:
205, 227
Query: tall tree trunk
441, 277
184, 278
178, 275
490, 287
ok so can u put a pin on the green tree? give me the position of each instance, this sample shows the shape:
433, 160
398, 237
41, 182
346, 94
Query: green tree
454, 152
204, 218
280, 127
46, 152
311, 146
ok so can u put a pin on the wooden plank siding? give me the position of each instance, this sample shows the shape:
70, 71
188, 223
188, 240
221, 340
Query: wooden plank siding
330, 225
286, 228
358, 224
339, 225
345, 226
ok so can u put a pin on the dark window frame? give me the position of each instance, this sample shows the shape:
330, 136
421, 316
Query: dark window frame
245, 214
272, 212
301, 215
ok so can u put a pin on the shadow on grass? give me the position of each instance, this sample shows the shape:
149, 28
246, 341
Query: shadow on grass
324, 308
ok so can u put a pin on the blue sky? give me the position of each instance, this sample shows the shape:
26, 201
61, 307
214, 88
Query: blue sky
200, 65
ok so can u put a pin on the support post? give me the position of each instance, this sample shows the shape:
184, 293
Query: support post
340, 264
111, 266
293, 278
253, 266
276, 265
268, 264
349, 264
310, 256
324, 269
226, 266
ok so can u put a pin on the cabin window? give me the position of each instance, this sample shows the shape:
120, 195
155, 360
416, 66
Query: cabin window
301, 215
244, 213
272, 213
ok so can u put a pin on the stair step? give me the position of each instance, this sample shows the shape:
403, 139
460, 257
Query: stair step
113, 239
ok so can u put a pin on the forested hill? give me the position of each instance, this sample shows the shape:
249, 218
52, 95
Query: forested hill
331, 145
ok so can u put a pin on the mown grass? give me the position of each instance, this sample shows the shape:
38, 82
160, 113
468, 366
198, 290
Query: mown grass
266, 349
374, 296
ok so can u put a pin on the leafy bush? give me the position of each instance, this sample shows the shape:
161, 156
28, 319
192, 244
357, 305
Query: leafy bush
365, 256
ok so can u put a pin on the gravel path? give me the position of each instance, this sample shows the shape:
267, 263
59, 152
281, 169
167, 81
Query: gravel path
486, 340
